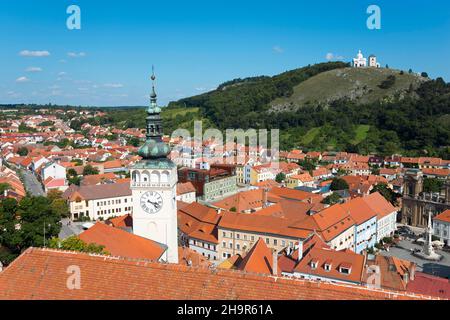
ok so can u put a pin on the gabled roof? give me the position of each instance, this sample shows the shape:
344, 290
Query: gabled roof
95, 192
334, 260
258, 260
379, 204
359, 210
121, 243
42, 274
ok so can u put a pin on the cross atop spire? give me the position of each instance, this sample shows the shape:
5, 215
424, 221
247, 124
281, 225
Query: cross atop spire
154, 147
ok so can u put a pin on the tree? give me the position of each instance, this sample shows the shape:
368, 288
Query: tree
22, 225
339, 184
90, 170
424, 75
386, 192
280, 177
54, 194
60, 207
71, 173
74, 243
4, 187
432, 185
23, 151
332, 199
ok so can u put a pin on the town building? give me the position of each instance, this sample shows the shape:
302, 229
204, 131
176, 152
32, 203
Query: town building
415, 201
210, 185
441, 227
99, 202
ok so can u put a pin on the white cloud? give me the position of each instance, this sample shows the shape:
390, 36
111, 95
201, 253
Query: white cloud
62, 73
22, 79
119, 95
278, 49
62, 61
33, 69
76, 55
331, 56
28, 53
13, 94
113, 85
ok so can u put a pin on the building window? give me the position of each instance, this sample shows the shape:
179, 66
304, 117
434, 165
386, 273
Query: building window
267, 240
237, 235
275, 242
238, 247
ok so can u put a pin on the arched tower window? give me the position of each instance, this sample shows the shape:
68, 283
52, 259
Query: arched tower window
155, 178
145, 178
165, 177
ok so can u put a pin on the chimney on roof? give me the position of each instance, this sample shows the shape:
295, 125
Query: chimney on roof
406, 277
264, 198
300, 250
274, 262
412, 271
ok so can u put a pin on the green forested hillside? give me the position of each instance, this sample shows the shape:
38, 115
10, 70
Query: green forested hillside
399, 112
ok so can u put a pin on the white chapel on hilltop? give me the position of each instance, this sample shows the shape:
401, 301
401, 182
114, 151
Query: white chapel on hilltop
361, 62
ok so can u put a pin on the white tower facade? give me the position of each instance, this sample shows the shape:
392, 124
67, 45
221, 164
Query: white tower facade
153, 186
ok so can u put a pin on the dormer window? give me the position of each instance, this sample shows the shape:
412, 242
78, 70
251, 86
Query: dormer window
314, 264
345, 268
327, 266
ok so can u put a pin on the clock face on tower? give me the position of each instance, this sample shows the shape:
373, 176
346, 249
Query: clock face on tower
151, 202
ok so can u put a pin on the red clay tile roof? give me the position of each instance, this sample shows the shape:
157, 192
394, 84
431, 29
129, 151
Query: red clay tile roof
444, 216
258, 260
429, 285
121, 243
42, 274
198, 221
125, 221
243, 201
336, 260
183, 188
379, 204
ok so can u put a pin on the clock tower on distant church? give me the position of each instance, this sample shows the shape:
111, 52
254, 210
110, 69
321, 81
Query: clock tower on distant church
153, 185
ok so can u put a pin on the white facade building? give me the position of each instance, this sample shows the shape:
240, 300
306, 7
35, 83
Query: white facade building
441, 227
54, 170
99, 202
361, 62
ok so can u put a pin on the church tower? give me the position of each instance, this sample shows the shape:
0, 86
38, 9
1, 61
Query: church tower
153, 186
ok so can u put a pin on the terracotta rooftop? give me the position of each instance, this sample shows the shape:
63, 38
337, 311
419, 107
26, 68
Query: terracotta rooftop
444, 216
258, 260
40, 274
118, 242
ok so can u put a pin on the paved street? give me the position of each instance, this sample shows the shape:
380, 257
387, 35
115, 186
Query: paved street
67, 230
403, 251
32, 185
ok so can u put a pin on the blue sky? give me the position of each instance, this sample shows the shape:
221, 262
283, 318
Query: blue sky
196, 45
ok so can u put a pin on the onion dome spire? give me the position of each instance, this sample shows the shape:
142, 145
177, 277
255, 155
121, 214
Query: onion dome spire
154, 147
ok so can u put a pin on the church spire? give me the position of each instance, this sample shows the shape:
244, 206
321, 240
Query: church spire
154, 147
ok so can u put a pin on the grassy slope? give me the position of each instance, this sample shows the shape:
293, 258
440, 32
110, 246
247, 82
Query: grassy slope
356, 84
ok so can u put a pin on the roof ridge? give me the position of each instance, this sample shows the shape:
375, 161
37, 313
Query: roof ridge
227, 273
